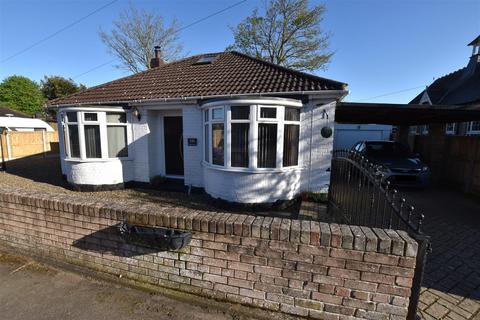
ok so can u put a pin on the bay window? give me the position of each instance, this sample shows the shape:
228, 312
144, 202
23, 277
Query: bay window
96, 134
252, 136
291, 136
240, 128
267, 145
117, 135
73, 149
91, 130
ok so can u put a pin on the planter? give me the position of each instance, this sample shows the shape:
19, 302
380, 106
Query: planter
157, 238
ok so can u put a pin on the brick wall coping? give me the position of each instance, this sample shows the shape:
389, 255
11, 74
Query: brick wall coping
348, 237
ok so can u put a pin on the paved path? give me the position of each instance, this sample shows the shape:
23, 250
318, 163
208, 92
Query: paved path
452, 281
30, 291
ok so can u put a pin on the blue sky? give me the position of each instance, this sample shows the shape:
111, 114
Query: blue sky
381, 46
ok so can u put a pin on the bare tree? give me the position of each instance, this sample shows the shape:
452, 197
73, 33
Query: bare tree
135, 34
288, 34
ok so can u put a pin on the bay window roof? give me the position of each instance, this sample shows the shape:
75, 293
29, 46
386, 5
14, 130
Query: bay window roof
228, 73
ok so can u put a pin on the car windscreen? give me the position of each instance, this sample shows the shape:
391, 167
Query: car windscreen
386, 149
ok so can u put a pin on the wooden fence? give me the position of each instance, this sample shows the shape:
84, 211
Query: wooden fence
16, 144
457, 160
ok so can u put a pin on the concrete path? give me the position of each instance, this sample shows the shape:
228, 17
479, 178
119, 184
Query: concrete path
451, 288
30, 291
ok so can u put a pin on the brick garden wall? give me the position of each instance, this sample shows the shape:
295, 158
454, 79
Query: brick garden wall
324, 271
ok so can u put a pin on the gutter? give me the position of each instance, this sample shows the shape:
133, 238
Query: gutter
339, 94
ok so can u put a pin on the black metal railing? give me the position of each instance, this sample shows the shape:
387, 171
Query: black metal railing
359, 194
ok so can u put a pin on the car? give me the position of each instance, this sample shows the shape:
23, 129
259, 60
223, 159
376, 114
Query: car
398, 165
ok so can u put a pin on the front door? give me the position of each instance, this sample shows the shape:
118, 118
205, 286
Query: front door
173, 134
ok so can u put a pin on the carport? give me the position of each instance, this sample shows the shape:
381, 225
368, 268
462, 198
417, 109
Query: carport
453, 159
451, 284
404, 114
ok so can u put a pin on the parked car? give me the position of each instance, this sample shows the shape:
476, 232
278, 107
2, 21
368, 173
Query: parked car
399, 166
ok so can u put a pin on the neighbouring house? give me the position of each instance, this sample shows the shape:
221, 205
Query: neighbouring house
461, 87
13, 120
243, 129
452, 149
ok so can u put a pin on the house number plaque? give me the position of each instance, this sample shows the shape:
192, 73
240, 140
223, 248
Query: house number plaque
192, 142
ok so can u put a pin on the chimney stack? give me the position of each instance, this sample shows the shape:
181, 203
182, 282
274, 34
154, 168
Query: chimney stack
157, 61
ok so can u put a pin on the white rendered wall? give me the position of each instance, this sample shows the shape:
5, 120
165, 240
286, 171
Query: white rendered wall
192, 155
316, 151
139, 147
252, 187
61, 143
109, 172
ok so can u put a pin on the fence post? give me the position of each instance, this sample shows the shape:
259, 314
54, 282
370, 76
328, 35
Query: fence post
2, 150
44, 144
423, 249
9, 146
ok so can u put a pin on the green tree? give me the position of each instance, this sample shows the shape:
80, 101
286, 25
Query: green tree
288, 34
54, 87
22, 94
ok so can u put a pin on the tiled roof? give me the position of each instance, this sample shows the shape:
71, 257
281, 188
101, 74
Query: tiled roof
4, 111
230, 73
459, 87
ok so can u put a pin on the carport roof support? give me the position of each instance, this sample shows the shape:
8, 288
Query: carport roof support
404, 114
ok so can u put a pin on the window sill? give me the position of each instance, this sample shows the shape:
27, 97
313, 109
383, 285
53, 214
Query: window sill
97, 160
251, 170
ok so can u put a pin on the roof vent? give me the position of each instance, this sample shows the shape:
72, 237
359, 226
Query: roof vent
206, 59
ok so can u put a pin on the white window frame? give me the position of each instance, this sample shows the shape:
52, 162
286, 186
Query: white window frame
260, 119
66, 133
102, 123
210, 137
451, 130
253, 121
471, 130
294, 122
118, 124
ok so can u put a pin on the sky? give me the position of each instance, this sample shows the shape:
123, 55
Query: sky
386, 50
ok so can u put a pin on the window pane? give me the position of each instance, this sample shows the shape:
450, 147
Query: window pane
270, 113
240, 144
205, 115
90, 117
92, 142
290, 145
117, 141
267, 145
119, 117
71, 116
74, 142
292, 114
207, 145
475, 126
217, 143
240, 113
217, 114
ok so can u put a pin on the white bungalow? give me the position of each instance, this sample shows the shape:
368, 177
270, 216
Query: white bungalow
243, 129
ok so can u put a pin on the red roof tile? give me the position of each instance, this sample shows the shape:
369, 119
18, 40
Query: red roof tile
229, 74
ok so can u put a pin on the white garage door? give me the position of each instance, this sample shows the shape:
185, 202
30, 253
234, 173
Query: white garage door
346, 139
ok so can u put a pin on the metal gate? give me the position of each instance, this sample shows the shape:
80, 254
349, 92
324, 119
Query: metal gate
359, 195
